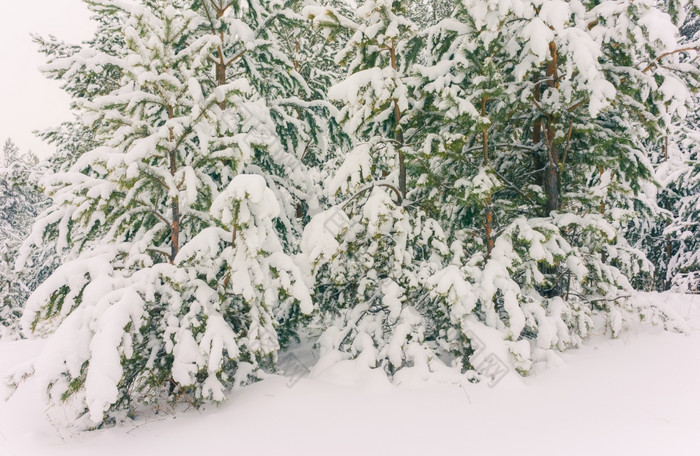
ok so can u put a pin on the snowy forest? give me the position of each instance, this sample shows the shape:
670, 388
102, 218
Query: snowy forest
398, 183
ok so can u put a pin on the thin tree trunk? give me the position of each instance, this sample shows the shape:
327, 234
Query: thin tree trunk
488, 208
669, 246
221, 64
537, 161
399, 132
220, 67
552, 173
175, 205
552, 179
175, 201
602, 208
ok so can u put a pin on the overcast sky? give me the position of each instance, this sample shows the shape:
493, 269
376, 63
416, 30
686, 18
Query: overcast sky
28, 101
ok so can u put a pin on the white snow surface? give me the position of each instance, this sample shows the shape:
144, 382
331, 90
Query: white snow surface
635, 395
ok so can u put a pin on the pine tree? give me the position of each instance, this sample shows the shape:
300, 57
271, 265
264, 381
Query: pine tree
176, 280
20, 201
376, 250
681, 173
10, 153
262, 39
672, 241
535, 139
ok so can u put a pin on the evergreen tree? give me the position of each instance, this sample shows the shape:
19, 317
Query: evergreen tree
377, 251
264, 41
10, 153
682, 234
20, 201
672, 241
535, 139
176, 279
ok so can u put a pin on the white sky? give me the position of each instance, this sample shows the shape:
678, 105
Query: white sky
28, 101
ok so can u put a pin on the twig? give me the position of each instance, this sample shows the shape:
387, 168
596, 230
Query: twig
145, 423
568, 142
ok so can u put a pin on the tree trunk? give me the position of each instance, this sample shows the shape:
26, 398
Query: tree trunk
399, 132
175, 201
221, 64
552, 175
488, 208
488, 214
537, 161
552, 184
669, 246
552, 178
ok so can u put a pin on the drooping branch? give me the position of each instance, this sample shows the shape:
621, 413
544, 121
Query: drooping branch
652, 65
370, 187
666, 54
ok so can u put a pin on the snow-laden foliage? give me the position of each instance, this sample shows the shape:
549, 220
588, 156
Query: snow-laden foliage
376, 255
508, 171
174, 277
522, 132
684, 267
674, 240
426, 13
371, 272
267, 41
535, 135
680, 174
535, 109
20, 201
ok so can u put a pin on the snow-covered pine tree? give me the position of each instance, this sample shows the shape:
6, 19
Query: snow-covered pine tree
20, 202
262, 39
312, 51
176, 273
267, 41
372, 253
674, 242
561, 98
470, 102
680, 239
647, 61
81, 82
70, 139
10, 153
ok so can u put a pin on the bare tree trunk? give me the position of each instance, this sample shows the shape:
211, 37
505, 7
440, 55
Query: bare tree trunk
602, 209
220, 63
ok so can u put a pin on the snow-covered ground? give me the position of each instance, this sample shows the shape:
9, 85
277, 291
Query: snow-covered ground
636, 395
